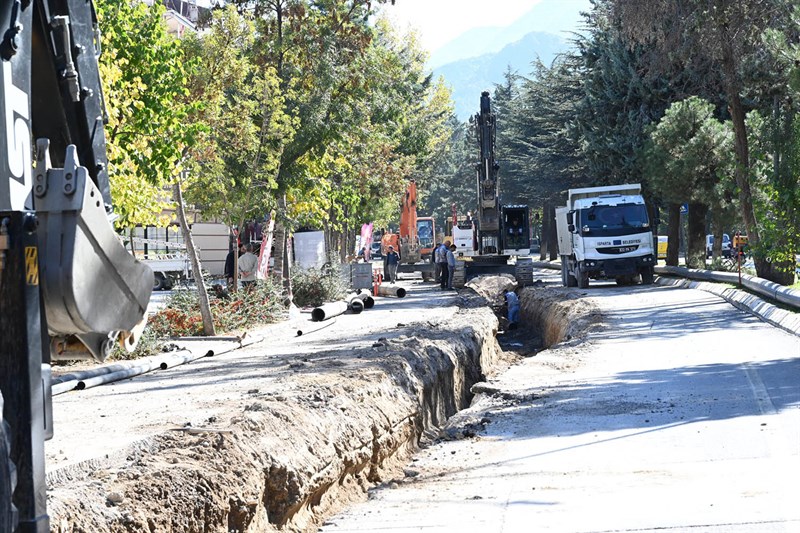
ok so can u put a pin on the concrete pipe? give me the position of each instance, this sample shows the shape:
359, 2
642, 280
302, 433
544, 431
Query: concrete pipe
367, 300
356, 305
366, 297
390, 290
328, 310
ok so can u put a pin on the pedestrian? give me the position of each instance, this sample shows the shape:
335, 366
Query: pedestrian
437, 266
441, 258
247, 267
451, 265
512, 301
390, 264
230, 268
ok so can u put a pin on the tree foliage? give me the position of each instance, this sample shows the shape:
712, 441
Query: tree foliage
144, 80
685, 159
723, 36
237, 156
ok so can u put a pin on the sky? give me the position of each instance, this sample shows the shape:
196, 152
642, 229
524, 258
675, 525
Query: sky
440, 21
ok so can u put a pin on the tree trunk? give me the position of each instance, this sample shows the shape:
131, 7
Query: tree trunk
696, 241
742, 169
553, 238
545, 234
673, 233
236, 259
718, 230
205, 308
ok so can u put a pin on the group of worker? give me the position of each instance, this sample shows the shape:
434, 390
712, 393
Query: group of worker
445, 259
247, 265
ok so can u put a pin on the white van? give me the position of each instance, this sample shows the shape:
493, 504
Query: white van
726, 245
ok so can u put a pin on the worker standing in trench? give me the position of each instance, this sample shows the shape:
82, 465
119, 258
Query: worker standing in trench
512, 301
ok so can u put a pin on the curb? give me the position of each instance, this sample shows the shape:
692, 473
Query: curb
709, 281
786, 320
779, 293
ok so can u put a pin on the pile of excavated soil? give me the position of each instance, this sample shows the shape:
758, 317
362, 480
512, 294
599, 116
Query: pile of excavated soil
559, 314
492, 287
296, 449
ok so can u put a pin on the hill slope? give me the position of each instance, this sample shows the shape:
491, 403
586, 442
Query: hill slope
468, 77
551, 16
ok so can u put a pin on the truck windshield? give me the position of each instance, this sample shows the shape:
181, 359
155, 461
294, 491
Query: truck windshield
609, 220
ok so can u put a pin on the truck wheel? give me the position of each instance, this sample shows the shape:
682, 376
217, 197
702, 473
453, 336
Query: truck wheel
8, 479
647, 276
159, 281
572, 281
583, 279
564, 274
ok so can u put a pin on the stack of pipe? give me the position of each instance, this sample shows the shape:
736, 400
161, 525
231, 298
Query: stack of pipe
355, 302
367, 300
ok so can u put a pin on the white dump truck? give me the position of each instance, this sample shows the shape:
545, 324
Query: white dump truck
605, 233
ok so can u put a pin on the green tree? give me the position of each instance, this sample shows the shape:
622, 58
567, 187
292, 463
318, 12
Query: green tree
452, 178
543, 141
143, 75
685, 159
148, 130
722, 36
315, 49
245, 130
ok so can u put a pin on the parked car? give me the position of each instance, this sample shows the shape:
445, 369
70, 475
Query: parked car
726, 245
375, 249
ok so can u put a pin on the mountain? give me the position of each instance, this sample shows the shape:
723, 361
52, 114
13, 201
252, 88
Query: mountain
552, 16
468, 77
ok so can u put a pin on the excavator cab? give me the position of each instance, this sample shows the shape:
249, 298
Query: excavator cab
516, 230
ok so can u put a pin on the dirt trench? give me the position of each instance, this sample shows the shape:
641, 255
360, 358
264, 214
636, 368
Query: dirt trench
309, 442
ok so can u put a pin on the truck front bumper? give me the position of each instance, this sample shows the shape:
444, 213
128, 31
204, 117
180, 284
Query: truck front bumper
612, 268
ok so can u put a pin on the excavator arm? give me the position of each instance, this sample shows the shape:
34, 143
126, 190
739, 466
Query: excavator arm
488, 214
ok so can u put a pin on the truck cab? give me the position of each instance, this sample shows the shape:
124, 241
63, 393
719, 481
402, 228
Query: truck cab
604, 233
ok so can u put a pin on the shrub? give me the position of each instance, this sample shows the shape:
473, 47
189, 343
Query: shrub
261, 304
314, 286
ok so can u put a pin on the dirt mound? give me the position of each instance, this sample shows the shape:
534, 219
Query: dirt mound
558, 314
491, 287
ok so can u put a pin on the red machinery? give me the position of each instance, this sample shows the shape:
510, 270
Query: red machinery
415, 239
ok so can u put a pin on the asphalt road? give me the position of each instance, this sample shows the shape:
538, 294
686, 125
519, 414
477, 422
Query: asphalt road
681, 413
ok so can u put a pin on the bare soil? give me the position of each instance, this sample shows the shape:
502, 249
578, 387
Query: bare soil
298, 436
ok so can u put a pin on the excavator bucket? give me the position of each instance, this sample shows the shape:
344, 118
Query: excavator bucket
93, 289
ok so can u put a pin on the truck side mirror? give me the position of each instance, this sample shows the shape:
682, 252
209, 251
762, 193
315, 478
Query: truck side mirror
571, 219
571, 228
